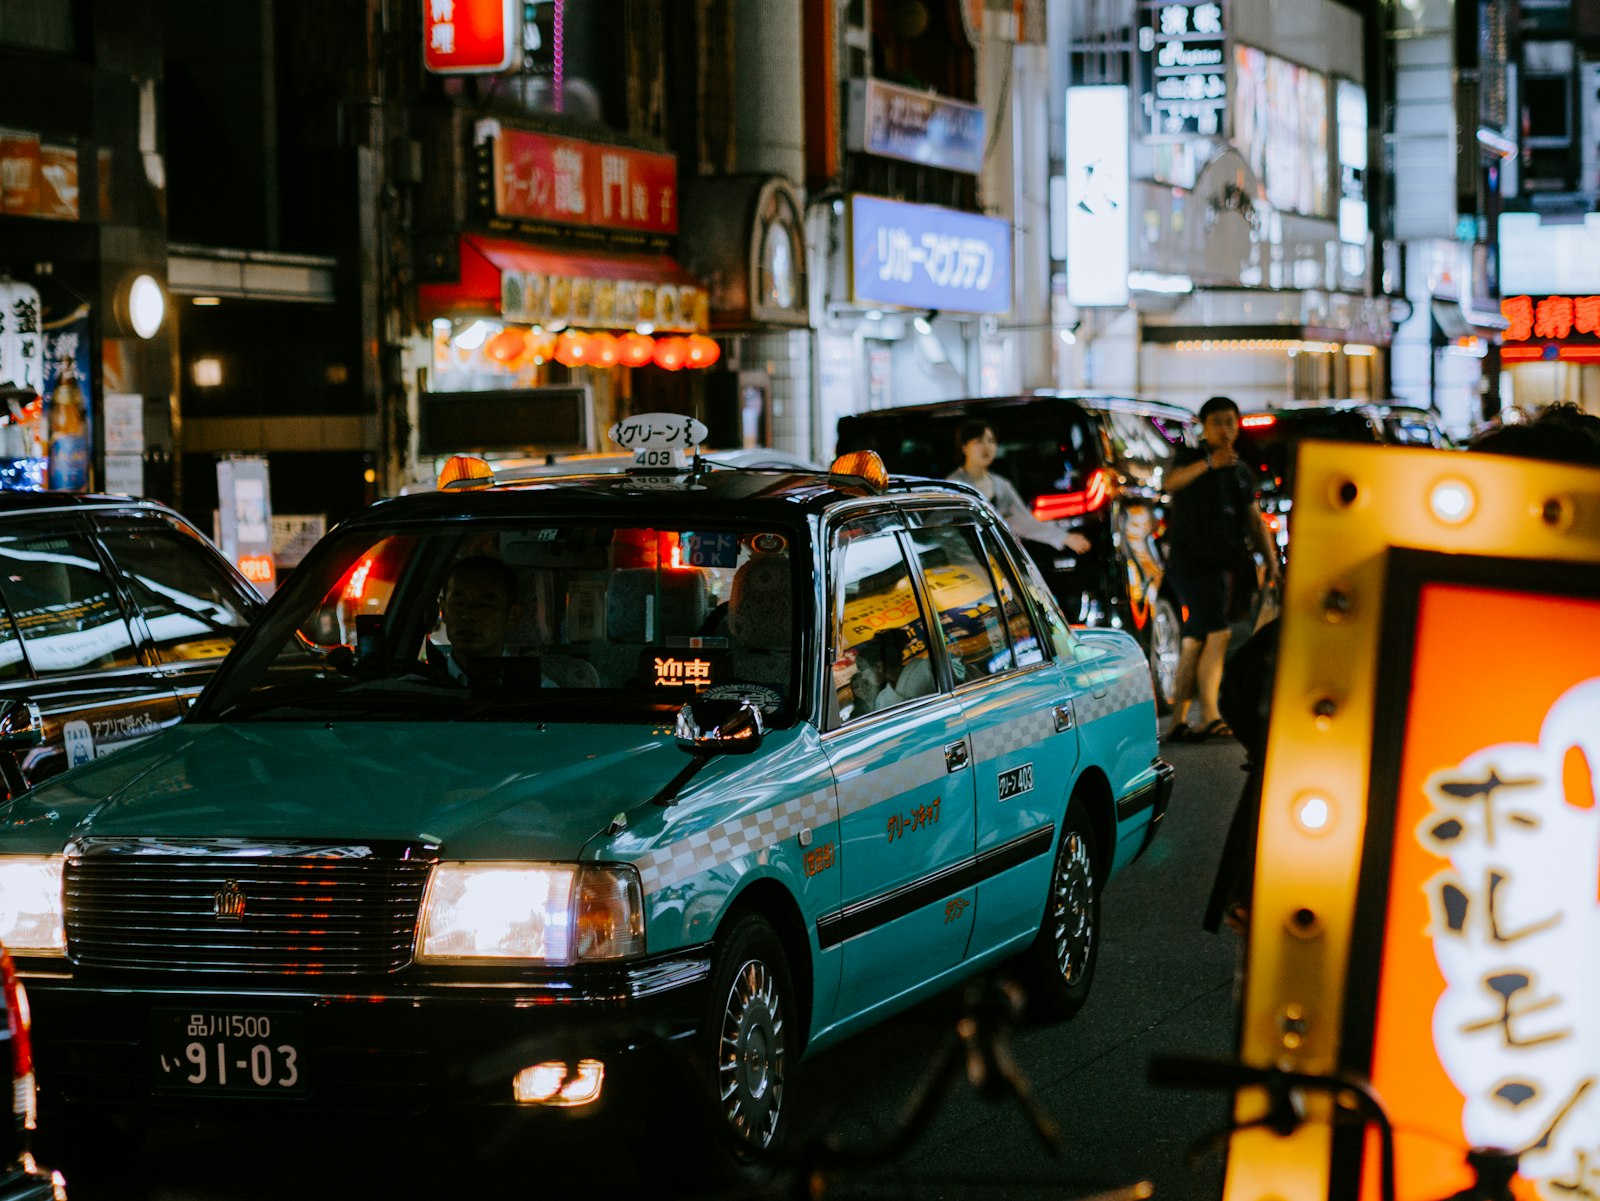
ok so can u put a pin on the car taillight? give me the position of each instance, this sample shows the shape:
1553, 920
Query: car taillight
23, 1100
1056, 506
1257, 421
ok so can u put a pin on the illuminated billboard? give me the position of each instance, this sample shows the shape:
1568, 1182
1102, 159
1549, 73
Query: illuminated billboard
1280, 125
1425, 906
1097, 195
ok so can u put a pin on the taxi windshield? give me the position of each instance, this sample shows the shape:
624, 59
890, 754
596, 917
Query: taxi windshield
543, 620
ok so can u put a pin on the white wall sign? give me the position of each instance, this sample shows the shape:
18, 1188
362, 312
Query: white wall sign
1097, 195
1549, 260
21, 342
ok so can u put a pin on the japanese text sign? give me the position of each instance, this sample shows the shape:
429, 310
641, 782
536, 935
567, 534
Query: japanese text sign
1183, 46
570, 182
657, 431
1427, 882
471, 36
921, 257
1487, 1030
21, 338
919, 127
1573, 319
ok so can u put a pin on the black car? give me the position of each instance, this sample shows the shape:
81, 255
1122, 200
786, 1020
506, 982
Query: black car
114, 613
1269, 439
1099, 463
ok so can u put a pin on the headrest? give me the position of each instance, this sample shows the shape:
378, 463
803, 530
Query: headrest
759, 603
632, 614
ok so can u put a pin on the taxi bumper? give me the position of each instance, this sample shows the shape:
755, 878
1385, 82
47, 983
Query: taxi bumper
1164, 779
416, 1042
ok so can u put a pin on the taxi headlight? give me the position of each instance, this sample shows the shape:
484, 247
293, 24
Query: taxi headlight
30, 905
545, 912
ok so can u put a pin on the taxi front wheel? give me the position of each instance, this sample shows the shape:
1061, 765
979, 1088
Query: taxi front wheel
1059, 967
747, 1037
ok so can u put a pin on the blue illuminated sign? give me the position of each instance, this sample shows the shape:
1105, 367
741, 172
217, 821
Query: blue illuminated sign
917, 256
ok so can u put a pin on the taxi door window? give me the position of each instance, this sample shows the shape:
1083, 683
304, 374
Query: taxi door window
193, 608
1046, 607
62, 602
880, 634
964, 601
1026, 648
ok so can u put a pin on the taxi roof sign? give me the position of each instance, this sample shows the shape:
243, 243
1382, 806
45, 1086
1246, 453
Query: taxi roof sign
863, 466
657, 431
465, 471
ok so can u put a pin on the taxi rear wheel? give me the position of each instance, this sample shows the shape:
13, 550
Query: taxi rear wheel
1059, 966
747, 1036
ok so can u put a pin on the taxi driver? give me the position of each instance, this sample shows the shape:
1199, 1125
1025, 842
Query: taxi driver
480, 610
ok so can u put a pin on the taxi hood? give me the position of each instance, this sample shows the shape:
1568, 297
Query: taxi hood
478, 790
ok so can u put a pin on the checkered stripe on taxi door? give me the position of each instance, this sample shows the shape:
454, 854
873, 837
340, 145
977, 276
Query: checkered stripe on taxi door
1131, 688
894, 777
1018, 733
747, 835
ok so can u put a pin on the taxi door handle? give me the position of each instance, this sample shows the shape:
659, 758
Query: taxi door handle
1063, 716
955, 756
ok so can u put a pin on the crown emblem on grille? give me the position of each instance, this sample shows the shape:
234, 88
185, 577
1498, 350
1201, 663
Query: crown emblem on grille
228, 902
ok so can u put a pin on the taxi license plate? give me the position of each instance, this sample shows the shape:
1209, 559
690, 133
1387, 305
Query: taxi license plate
258, 1053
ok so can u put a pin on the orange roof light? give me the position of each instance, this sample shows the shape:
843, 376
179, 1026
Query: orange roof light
862, 465
462, 468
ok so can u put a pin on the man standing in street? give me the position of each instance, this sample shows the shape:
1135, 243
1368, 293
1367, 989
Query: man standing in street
1214, 525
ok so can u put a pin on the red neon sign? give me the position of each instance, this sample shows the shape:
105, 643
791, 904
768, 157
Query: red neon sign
545, 178
1550, 318
470, 36
257, 569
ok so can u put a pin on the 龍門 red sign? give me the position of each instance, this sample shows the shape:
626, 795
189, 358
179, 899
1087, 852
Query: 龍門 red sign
471, 36
563, 180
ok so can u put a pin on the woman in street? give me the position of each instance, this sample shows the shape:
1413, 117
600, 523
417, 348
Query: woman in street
976, 441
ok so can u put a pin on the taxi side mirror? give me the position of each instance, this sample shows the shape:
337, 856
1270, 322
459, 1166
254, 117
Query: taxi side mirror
21, 725
708, 726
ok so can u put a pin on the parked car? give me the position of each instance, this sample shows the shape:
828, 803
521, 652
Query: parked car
1097, 463
372, 871
1269, 440
21, 1178
113, 615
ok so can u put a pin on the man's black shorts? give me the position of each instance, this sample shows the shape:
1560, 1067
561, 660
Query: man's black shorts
1202, 590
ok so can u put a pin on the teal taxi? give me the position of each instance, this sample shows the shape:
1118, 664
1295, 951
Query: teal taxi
754, 758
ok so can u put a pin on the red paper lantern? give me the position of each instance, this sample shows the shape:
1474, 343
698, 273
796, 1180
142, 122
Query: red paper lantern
506, 345
671, 353
635, 350
541, 347
703, 351
572, 350
603, 350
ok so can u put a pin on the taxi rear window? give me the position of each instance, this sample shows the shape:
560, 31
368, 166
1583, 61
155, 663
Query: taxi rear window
549, 618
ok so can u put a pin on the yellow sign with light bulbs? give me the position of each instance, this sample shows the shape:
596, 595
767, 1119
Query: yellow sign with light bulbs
1427, 891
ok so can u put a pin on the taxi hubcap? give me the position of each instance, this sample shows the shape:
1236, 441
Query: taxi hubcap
750, 1063
1074, 907
1165, 641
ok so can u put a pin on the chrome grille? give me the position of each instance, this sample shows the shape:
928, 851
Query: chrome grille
228, 906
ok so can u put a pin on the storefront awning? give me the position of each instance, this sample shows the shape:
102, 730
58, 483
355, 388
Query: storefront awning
519, 282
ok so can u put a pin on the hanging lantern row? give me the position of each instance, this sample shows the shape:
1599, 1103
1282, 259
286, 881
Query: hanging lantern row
575, 348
